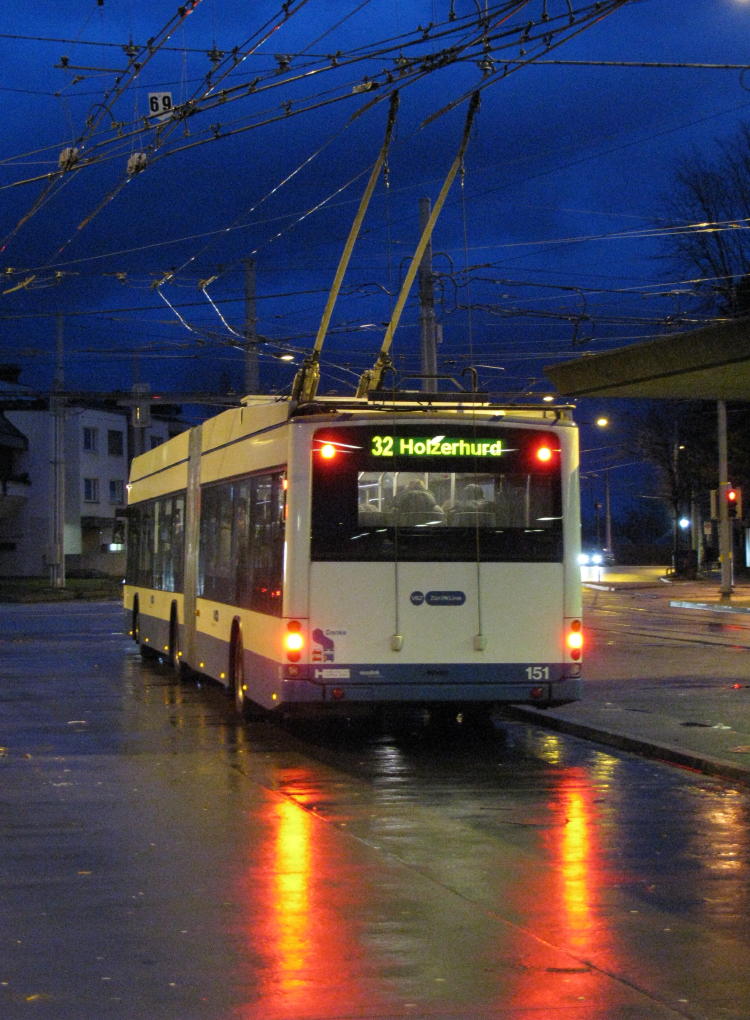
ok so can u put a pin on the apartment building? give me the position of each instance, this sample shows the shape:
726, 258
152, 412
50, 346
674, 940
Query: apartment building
80, 471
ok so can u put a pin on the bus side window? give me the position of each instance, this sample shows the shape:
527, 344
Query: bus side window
215, 580
267, 544
241, 544
258, 543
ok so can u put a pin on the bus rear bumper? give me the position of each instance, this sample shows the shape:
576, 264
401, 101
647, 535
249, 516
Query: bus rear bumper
335, 691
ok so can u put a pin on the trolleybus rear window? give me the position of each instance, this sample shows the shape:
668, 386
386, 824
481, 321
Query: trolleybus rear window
427, 493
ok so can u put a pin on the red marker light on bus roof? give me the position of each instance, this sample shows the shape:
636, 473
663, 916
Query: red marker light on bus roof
544, 454
328, 451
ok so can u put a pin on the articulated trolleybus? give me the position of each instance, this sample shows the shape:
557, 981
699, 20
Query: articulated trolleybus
362, 554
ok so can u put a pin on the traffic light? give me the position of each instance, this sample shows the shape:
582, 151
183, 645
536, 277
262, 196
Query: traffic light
734, 501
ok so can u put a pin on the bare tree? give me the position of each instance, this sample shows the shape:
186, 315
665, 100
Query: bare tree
677, 438
708, 211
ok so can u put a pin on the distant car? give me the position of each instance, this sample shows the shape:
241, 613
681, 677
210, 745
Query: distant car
596, 558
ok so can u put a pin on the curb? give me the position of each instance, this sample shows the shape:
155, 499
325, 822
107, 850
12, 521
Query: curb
714, 607
668, 753
620, 585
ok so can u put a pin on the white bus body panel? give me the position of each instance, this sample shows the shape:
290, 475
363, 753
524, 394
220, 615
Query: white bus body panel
438, 611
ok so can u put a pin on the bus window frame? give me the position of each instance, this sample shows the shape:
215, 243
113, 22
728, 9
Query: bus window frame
341, 532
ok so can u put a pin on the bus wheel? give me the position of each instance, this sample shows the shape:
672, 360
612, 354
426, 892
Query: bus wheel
238, 677
144, 650
174, 651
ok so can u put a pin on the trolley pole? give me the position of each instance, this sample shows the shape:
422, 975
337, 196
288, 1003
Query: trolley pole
427, 330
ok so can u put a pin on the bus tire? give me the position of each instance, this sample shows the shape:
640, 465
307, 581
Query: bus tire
173, 656
239, 689
145, 651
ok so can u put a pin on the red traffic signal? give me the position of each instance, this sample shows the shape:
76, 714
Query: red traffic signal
734, 501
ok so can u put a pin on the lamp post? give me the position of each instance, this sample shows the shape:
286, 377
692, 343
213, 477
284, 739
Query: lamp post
602, 422
677, 564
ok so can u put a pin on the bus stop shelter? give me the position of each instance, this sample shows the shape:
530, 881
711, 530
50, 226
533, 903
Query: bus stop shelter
706, 364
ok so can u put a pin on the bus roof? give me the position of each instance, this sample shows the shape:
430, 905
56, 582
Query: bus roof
459, 403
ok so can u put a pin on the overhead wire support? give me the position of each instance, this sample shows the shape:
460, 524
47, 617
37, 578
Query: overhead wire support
306, 382
544, 37
163, 131
371, 378
71, 162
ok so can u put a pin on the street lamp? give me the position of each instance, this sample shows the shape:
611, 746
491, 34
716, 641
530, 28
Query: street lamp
602, 422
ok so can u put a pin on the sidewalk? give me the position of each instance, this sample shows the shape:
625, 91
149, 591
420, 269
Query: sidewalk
700, 722
685, 594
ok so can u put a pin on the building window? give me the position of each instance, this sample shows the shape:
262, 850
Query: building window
115, 443
91, 490
90, 439
116, 491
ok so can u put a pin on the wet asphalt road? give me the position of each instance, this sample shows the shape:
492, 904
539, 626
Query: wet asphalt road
160, 860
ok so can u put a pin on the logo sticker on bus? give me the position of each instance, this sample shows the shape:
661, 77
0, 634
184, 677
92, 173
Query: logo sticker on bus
327, 650
438, 598
445, 598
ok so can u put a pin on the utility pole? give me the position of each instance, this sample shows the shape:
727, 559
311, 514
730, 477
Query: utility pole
57, 403
427, 328
725, 527
140, 415
607, 514
252, 375
696, 531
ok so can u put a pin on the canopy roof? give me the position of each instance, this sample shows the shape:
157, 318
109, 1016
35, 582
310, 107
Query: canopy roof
707, 364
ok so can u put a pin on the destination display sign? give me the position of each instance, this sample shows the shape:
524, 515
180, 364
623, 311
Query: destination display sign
434, 446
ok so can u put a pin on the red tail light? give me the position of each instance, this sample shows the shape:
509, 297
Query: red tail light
294, 641
574, 639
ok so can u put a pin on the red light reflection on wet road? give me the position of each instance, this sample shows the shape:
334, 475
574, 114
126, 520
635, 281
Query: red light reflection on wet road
577, 951
291, 918
301, 900
578, 871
